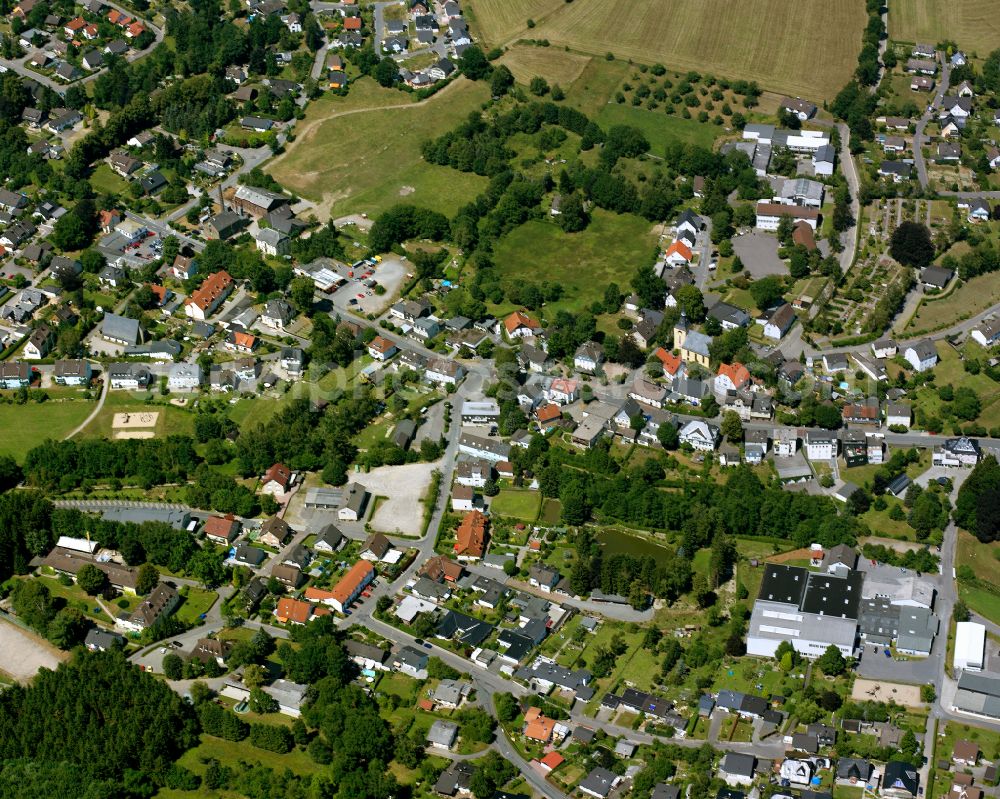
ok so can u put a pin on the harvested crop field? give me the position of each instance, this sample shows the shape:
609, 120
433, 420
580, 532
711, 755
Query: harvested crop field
974, 24
761, 40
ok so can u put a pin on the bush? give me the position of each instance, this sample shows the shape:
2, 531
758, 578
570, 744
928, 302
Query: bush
271, 737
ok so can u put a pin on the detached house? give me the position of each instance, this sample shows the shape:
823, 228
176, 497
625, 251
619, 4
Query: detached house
519, 325
921, 355
209, 296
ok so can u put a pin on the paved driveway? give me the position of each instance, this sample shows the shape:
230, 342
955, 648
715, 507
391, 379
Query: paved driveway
759, 253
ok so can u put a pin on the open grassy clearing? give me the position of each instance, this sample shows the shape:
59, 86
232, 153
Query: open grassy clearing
974, 24
583, 263
761, 40
658, 127
983, 560
969, 299
596, 85
556, 66
362, 160
25, 426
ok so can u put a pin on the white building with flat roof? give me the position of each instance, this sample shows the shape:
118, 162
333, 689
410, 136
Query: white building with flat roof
970, 646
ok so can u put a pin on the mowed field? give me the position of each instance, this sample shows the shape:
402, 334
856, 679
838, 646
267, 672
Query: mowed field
809, 50
974, 24
556, 66
366, 159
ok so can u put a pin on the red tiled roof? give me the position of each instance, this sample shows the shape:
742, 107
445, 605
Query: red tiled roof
279, 473
552, 761
349, 583
520, 319
671, 363
680, 248
471, 535
292, 610
352, 23
548, 413
736, 372
215, 286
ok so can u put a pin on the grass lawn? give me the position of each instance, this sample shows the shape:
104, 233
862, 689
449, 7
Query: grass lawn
107, 182
973, 24
985, 563
658, 127
196, 602
950, 369
27, 425
230, 753
879, 523
760, 41
596, 85
517, 504
988, 740
967, 300
76, 597
368, 159
582, 263
249, 413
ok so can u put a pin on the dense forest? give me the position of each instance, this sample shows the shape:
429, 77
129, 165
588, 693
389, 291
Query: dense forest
96, 725
978, 506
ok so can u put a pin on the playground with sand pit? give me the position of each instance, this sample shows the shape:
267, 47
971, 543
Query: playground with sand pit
135, 425
881, 691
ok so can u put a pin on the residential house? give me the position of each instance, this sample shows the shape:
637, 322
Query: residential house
519, 325
987, 333
470, 543
277, 480
900, 780
222, 530
780, 322
820, 445
159, 604
355, 503
72, 373
700, 435
921, 355
272, 242
350, 586
206, 299
274, 532
381, 349
588, 357
730, 377
39, 343
802, 109
738, 768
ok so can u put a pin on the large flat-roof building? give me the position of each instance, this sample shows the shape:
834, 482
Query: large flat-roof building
977, 695
970, 646
811, 610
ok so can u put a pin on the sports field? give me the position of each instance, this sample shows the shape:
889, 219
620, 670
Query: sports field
367, 159
582, 263
973, 24
810, 50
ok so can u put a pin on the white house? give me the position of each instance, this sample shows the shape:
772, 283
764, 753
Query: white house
898, 414
821, 445
277, 313
699, 435
272, 242
563, 391
444, 371
922, 355
184, 377
588, 357
988, 333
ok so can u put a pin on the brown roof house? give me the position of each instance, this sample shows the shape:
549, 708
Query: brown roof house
277, 480
212, 649
274, 532
222, 529
376, 547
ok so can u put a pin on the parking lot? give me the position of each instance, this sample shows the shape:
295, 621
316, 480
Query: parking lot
759, 253
147, 248
358, 292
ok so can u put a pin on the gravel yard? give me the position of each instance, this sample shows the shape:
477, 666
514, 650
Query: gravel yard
22, 654
404, 486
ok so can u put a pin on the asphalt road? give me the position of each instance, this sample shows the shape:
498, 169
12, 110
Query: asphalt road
60, 87
918, 136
